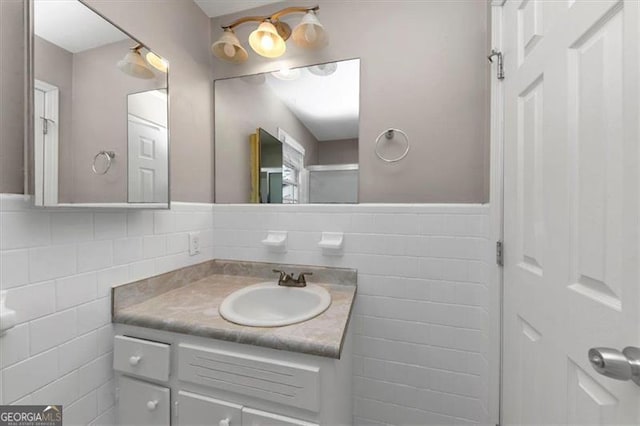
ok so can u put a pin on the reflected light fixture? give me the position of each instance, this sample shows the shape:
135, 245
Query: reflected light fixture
157, 62
134, 65
287, 74
323, 70
269, 39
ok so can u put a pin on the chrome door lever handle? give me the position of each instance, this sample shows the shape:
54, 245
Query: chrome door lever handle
617, 365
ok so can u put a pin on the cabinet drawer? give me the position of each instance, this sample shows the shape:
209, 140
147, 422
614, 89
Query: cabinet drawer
141, 403
141, 358
287, 383
251, 417
196, 410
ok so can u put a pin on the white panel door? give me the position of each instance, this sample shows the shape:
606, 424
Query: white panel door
148, 162
572, 190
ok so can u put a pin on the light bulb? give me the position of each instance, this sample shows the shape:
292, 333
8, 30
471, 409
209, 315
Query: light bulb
310, 34
266, 42
229, 50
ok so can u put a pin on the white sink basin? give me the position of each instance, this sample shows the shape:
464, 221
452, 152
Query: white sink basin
270, 305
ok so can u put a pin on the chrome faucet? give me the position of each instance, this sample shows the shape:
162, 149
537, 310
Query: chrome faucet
287, 280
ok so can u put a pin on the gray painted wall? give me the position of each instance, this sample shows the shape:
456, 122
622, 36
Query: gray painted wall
11, 96
176, 29
343, 151
423, 70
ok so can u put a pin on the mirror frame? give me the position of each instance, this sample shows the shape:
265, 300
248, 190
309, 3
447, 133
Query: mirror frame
29, 136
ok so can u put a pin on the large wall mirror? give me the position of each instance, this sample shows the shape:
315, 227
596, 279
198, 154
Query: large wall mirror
289, 137
100, 112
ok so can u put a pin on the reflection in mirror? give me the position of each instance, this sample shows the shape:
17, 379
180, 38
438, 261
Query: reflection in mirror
270, 167
100, 111
147, 140
296, 130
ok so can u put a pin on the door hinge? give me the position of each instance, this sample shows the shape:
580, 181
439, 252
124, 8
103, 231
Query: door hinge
500, 63
499, 253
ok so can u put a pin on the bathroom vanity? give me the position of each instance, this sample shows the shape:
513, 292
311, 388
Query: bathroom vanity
179, 362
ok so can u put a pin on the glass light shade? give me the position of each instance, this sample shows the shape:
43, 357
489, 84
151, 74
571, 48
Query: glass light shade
266, 41
228, 48
310, 33
287, 74
132, 64
157, 62
323, 70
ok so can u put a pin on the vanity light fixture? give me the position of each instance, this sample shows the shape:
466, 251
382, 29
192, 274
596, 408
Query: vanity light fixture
266, 41
228, 47
269, 39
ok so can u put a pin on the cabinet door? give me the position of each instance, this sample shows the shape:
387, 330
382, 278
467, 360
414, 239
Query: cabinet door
141, 403
251, 417
199, 410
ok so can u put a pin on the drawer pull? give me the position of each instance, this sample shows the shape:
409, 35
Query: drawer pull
134, 360
224, 422
151, 405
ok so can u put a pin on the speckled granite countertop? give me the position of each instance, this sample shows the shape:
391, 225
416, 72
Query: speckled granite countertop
192, 308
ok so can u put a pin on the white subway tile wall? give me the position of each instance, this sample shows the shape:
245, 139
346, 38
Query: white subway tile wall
420, 323
58, 267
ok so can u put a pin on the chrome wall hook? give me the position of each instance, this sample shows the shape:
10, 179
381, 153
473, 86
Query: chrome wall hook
500, 62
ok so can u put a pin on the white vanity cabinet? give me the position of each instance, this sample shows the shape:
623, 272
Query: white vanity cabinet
166, 378
251, 417
194, 409
142, 403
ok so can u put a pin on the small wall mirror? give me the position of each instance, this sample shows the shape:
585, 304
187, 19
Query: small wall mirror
100, 112
289, 136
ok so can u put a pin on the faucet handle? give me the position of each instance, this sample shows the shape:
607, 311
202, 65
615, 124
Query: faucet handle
282, 273
302, 279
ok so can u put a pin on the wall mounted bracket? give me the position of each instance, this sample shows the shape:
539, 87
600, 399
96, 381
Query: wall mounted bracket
276, 241
500, 62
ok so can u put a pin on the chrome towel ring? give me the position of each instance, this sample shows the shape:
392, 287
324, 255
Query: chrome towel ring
109, 155
389, 134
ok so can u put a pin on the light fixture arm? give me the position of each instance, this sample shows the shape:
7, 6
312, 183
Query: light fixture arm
272, 18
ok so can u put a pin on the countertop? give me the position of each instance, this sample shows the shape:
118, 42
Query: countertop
193, 309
